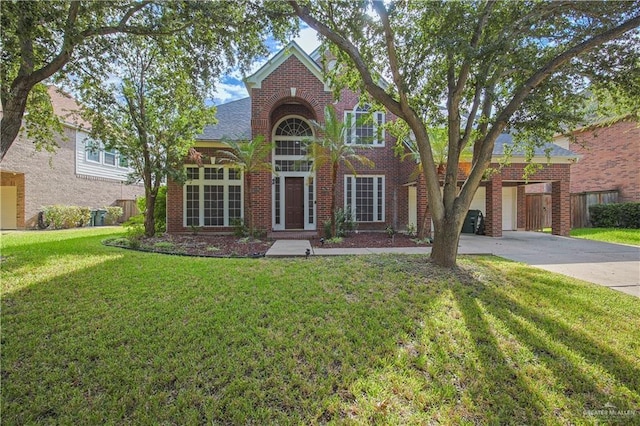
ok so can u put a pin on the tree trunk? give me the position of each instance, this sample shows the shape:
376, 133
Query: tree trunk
445, 244
249, 205
445, 240
13, 111
149, 216
332, 209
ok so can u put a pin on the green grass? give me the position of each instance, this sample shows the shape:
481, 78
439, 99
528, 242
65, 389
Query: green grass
609, 235
94, 334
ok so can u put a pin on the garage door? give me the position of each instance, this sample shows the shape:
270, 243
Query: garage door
8, 207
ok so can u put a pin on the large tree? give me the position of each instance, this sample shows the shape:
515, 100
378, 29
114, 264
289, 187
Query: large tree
496, 65
151, 114
47, 39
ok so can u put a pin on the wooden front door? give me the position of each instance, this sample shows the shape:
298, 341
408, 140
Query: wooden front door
294, 202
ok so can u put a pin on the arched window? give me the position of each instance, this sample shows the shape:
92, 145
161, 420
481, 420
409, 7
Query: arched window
293, 127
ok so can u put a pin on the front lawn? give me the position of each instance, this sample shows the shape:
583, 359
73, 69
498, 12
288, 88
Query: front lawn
609, 235
94, 334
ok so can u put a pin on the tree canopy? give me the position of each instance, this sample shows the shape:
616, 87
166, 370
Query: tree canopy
478, 68
77, 40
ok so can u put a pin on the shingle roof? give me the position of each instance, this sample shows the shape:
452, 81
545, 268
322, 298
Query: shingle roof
234, 122
553, 149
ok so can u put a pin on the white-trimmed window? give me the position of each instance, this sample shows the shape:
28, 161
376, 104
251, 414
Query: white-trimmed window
364, 196
110, 157
365, 128
93, 152
213, 196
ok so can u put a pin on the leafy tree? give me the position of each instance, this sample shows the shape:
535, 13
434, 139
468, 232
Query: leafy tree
331, 148
46, 39
251, 157
151, 116
496, 65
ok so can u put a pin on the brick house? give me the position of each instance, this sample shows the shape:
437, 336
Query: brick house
284, 95
73, 175
610, 155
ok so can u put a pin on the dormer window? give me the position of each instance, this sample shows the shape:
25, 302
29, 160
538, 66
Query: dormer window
364, 127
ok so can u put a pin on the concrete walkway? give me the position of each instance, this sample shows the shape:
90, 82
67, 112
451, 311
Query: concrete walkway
615, 266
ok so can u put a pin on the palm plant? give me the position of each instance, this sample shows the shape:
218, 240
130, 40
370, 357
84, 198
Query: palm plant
251, 157
331, 148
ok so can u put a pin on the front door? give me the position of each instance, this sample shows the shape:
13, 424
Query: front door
294, 202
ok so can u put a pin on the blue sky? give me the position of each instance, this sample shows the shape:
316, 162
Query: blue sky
231, 86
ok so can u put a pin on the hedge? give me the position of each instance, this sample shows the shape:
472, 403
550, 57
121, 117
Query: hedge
619, 215
64, 217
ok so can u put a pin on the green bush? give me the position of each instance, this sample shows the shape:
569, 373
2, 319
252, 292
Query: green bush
114, 213
344, 224
160, 212
619, 215
240, 229
65, 217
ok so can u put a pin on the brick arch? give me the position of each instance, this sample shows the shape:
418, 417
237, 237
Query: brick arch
285, 95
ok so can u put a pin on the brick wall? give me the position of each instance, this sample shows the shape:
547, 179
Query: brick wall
610, 159
51, 179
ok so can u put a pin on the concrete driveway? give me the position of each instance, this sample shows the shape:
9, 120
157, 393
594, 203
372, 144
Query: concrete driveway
615, 266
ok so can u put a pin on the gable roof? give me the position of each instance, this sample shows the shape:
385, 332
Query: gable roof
234, 122
291, 49
554, 151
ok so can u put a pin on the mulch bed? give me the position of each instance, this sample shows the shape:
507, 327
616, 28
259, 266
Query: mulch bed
232, 246
371, 240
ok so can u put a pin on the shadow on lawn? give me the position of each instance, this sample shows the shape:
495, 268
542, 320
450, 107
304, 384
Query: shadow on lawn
277, 341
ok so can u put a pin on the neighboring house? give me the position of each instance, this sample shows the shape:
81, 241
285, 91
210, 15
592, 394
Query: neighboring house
610, 158
284, 95
78, 173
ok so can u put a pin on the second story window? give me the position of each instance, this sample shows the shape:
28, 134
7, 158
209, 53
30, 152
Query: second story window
364, 127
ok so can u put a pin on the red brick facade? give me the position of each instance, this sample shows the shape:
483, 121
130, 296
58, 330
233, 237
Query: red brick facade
610, 160
292, 89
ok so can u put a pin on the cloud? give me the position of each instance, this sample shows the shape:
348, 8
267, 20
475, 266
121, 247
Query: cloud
307, 39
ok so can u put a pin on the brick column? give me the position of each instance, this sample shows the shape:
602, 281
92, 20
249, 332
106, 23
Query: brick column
522, 208
493, 203
560, 208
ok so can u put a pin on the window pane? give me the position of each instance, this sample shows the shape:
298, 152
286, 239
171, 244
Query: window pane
122, 161
213, 205
110, 158
93, 152
193, 205
310, 191
235, 202
379, 189
193, 173
364, 199
213, 173
234, 174
293, 127
290, 148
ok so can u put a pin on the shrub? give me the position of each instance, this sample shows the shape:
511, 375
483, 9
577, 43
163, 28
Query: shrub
114, 213
134, 235
344, 224
240, 229
64, 217
619, 215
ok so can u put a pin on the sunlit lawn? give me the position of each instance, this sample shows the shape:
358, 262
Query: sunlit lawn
95, 335
610, 235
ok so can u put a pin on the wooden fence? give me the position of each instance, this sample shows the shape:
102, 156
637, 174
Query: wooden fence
129, 208
539, 208
580, 204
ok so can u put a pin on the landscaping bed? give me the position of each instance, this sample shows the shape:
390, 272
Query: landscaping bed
234, 246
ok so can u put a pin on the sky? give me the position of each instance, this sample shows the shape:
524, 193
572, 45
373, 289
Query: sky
231, 87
